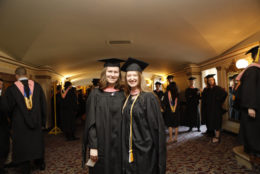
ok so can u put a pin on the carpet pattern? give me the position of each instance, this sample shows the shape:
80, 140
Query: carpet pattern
192, 154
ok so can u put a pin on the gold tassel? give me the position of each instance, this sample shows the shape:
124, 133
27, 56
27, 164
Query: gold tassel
173, 108
131, 156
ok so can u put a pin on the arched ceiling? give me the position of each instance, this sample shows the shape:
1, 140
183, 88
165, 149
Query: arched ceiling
70, 35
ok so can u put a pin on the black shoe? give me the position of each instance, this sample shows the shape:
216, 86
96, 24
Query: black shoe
190, 129
39, 164
10, 165
42, 166
26, 170
75, 138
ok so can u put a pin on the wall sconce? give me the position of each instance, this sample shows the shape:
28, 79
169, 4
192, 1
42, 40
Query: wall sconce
148, 82
241, 63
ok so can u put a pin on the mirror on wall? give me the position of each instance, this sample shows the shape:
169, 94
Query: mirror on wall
232, 72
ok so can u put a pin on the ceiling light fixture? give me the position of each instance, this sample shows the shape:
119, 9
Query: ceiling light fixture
119, 42
241, 63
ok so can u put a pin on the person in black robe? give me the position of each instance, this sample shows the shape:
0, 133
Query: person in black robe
25, 104
214, 99
158, 92
233, 111
171, 106
249, 104
58, 107
143, 133
208, 132
81, 104
192, 96
203, 115
102, 133
4, 132
68, 111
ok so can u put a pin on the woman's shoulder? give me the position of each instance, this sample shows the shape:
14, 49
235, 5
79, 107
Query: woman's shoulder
148, 95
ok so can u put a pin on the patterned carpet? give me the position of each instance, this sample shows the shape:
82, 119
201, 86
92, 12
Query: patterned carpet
192, 154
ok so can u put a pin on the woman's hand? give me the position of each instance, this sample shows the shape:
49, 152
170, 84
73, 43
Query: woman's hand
94, 155
251, 113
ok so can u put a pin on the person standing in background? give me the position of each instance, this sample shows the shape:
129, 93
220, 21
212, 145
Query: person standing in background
4, 132
192, 96
203, 108
158, 91
214, 99
249, 106
171, 104
58, 106
25, 104
69, 111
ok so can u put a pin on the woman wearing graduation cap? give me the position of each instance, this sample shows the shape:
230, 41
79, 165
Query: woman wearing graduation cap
171, 107
214, 98
103, 121
249, 103
143, 134
192, 96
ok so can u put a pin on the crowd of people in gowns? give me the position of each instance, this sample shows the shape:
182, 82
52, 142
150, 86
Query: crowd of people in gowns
125, 122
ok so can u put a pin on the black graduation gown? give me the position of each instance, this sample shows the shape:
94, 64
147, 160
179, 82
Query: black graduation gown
203, 108
4, 132
171, 119
149, 147
192, 96
103, 130
214, 99
68, 113
159, 94
27, 124
58, 109
250, 98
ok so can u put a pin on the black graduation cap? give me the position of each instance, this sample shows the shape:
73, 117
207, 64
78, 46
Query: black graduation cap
132, 64
253, 52
67, 84
170, 77
234, 76
112, 62
192, 78
158, 83
95, 82
210, 75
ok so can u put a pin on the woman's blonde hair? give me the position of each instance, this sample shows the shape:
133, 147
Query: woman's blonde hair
141, 84
103, 80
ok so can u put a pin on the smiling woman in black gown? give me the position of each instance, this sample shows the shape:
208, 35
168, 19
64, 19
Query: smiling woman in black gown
143, 134
103, 121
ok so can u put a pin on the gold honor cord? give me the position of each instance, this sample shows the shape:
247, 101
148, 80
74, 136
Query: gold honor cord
131, 155
28, 102
257, 56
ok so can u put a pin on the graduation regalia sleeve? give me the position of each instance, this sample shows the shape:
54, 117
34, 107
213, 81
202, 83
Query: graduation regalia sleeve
157, 127
90, 135
249, 89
